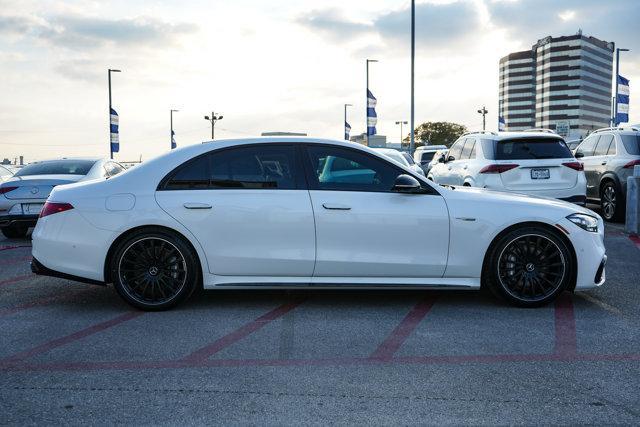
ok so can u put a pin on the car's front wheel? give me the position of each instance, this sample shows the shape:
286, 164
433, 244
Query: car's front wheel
14, 231
528, 266
154, 270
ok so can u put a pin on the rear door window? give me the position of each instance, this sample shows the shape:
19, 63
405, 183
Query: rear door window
631, 144
531, 149
469, 147
602, 147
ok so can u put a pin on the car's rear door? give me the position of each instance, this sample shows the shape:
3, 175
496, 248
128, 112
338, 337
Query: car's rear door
363, 228
585, 153
249, 208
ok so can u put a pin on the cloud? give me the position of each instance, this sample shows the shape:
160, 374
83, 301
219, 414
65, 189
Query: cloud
435, 24
19, 25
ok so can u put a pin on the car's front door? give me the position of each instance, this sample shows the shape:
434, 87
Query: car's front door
248, 207
365, 229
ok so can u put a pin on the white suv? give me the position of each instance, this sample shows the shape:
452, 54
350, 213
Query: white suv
538, 163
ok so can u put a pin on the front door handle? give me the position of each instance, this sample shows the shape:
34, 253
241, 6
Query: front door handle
197, 206
336, 207
603, 163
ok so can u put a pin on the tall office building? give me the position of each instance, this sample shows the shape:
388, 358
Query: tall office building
562, 83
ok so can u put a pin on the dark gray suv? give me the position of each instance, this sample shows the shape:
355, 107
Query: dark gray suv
609, 156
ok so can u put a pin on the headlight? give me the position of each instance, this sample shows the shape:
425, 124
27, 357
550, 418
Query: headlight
584, 221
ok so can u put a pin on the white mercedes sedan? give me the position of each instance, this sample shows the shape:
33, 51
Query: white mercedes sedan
302, 212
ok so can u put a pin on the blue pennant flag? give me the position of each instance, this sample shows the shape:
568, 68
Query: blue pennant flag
622, 98
347, 129
372, 117
115, 135
173, 140
501, 124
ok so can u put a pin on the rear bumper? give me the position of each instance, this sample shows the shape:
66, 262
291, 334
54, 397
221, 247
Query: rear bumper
41, 270
24, 220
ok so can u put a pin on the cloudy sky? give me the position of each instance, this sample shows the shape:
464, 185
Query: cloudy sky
278, 65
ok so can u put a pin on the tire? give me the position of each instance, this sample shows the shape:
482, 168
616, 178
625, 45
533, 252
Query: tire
528, 267
154, 270
611, 202
14, 231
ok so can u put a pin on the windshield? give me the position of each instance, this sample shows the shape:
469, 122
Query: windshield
408, 158
60, 167
631, 144
395, 156
532, 148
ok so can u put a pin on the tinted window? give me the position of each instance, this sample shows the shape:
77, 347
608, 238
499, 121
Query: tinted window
193, 175
334, 168
408, 158
532, 148
426, 156
588, 145
456, 149
468, 148
603, 145
631, 144
59, 167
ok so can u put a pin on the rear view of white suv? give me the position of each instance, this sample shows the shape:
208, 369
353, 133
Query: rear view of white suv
535, 163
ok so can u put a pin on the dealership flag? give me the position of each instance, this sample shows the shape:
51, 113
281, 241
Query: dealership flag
173, 140
622, 98
372, 117
347, 129
501, 124
115, 140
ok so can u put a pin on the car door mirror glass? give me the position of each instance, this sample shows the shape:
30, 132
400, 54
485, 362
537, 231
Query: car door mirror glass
451, 159
406, 184
579, 155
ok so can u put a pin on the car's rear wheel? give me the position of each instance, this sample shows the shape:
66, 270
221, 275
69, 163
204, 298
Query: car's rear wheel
154, 270
611, 202
15, 231
529, 266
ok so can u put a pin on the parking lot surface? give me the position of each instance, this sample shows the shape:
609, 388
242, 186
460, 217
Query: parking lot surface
75, 353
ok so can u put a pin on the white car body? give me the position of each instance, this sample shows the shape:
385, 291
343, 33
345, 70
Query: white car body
472, 162
256, 238
424, 154
403, 158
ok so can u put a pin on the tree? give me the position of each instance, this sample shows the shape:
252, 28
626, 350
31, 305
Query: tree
438, 133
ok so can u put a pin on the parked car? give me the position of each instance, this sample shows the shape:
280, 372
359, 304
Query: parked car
302, 212
424, 154
23, 195
438, 157
535, 163
401, 157
5, 173
609, 156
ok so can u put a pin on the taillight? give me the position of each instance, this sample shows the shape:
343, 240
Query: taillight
629, 165
51, 208
579, 166
498, 168
6, 189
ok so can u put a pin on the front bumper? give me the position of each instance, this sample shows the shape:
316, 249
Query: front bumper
578, 200
23, 220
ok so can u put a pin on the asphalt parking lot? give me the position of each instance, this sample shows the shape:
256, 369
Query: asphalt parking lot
74, 353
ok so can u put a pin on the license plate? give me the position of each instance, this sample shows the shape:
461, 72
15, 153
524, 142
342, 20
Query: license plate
32, 208
540, 174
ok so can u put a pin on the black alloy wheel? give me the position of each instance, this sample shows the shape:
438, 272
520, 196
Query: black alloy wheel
154, 271
529, 267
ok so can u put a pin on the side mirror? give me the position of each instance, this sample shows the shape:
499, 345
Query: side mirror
579, 155
406, 184
450, 159
441, 159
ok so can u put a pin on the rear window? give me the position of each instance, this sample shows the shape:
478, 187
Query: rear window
427, 156
631, 144
532, 148
62, 167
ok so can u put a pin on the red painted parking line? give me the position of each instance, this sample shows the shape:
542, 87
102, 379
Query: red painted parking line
61, 296
565, 327
205, 352
8, 248
399, 335
635, 239
15, 279
14, 260
58, 342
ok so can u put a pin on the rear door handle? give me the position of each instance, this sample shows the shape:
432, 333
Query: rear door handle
197, 206
336, 207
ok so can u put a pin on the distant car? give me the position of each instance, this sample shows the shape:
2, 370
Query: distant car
401, 157
424, 154
530, 162
440, 154
5, 173
23, 195
609, 156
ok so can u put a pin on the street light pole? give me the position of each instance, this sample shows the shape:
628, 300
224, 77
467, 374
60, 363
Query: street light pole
171, 132
401, 123
484, 112
213, 119
109, 80
344, 125
615, 104
413, 57
366, 103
